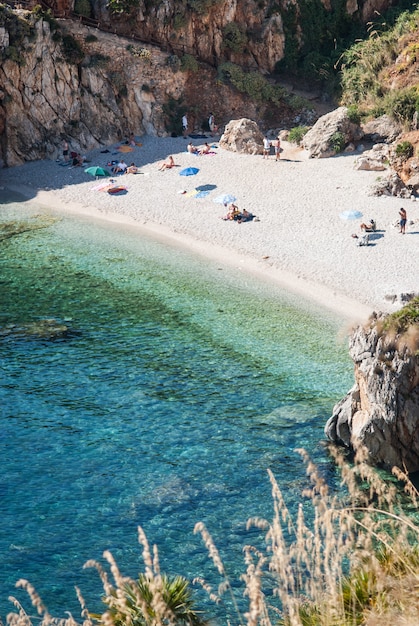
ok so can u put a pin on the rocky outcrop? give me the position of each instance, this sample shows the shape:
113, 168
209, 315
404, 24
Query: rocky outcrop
242, 136
375, 160
331, 133
381, 411
94, 88
252, 33
390, 185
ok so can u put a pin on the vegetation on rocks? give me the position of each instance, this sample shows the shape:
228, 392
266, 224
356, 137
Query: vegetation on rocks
379, 74
405, 319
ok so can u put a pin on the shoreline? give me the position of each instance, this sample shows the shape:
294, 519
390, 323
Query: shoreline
287, 248
339, 304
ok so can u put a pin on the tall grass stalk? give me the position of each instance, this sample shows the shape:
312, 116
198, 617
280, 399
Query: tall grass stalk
346, 559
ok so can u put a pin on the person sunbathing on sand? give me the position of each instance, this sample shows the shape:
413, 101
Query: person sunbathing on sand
167, 165
370, 227
232, 214
245, 216
132, 169
206, 148
192, 149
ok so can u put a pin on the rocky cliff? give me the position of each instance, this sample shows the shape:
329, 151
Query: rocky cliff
381, 411
60, 78
255, 34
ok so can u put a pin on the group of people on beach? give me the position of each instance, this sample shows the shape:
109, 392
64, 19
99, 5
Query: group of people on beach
267, 144
213, 128
235, 215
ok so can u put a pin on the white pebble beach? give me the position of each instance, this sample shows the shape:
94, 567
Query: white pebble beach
299, 240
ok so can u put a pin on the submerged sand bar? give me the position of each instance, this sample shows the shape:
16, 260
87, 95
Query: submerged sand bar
300, 241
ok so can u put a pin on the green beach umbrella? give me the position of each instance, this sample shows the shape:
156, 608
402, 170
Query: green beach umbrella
97, 171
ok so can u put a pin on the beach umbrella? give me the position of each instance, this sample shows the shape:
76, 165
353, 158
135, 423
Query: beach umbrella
225, 198
350, 215
97, 171
207, 187
189, 171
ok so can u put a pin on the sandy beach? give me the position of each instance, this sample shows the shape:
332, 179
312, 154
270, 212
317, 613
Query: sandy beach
299, 239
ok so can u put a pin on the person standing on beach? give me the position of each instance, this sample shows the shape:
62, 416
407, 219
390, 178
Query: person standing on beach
65, 150
266, 147
277, 146
211, 124
403, 220
185, 124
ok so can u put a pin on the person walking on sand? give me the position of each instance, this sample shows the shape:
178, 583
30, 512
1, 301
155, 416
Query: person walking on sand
403, 220
266, 147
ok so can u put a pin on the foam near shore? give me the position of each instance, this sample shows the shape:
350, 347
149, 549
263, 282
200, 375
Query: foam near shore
300, 240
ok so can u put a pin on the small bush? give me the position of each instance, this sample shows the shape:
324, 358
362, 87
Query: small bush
179, 21
188, 63
353, 114
404, 150
140, 53
99, 60
72, 50
234, 37
337, 141
297, 133
119, 7
83, 7
90, 38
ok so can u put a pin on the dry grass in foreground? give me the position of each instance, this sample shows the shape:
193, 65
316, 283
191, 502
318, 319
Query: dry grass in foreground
355, 563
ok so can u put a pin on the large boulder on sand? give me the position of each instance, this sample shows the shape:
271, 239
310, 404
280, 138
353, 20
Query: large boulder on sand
242, 136
382, 129
375, 160
319, 140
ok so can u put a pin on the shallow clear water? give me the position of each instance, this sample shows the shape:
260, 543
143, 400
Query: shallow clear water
179, 385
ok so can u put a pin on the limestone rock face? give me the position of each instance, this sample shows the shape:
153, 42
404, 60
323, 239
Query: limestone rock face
318, 141
113, 88
242, 136
381, 411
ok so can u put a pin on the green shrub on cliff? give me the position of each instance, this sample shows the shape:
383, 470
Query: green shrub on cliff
119, 7
297, 133
402, 320
83, 7
365, 76
234, 37
253, 84
72, 50
404, 150
188, 63
18, 29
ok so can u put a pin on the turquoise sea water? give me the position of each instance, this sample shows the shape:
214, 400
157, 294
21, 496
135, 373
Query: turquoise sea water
179, 384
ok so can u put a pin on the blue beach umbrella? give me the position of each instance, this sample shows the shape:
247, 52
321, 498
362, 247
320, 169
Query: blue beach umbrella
207, 187
225, 198
189, 171
350, 215
97, 171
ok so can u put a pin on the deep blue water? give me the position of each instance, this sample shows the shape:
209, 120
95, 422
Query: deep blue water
180, 383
